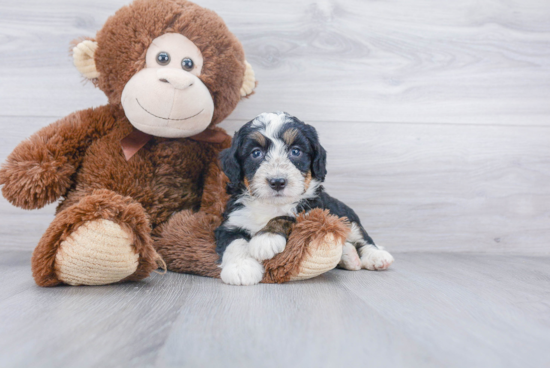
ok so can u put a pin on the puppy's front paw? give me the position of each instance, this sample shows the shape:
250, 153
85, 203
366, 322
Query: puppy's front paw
238, 267
266, 246
245, 272
376, 259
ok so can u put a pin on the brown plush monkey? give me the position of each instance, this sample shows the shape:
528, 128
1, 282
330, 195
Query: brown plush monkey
139, 177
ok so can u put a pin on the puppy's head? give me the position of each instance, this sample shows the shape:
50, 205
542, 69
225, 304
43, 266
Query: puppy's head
276, 157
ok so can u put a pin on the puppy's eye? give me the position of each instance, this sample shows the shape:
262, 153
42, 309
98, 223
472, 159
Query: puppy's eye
296, 152
163, 58
257, 153
187, 64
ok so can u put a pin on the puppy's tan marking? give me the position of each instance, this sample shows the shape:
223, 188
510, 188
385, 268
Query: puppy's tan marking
246, 183
307, 181
290, 135
258, 137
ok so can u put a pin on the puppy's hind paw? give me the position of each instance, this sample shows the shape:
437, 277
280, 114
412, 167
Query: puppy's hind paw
266, 246
350, 259
376, 259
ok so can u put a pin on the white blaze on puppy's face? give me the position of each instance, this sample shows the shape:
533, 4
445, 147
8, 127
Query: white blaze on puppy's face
274, 136
276, 164
167, 98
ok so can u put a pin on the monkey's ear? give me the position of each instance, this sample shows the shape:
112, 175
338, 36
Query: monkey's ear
249, 81
83, 58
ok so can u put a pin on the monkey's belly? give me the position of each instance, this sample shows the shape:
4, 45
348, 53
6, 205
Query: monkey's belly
164, 177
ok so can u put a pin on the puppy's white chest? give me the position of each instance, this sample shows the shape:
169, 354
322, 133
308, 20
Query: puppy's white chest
254, 216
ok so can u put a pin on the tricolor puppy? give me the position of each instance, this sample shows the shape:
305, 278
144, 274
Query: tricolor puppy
276, 166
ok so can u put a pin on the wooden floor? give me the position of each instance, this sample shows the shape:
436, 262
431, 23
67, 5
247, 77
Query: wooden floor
430, 310
436, 118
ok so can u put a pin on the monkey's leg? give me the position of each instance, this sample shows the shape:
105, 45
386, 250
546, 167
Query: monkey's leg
313, 248
102, 239
187, 244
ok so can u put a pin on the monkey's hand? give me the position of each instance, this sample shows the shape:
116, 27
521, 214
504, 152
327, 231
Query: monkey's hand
32, 178
41, 168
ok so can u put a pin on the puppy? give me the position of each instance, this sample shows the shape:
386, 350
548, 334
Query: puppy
275, 167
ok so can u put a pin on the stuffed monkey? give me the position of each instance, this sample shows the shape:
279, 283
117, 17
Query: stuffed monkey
139, 179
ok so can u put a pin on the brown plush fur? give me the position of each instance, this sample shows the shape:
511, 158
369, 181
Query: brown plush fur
177, 240
171, 193
309, 229
80, 157
100, 204
40, 169
187, 243
214, 195
124, 39
279, 225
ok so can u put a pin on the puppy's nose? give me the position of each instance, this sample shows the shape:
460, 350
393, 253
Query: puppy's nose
277, 184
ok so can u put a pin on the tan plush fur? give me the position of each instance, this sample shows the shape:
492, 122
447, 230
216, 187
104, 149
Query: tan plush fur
124, 39
99, 241
307, 245
169, 195
322, 256
100, 204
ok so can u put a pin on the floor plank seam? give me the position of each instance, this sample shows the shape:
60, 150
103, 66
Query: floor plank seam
313, 121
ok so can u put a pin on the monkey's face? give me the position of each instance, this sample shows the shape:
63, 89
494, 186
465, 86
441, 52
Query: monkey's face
171, 65
166, 98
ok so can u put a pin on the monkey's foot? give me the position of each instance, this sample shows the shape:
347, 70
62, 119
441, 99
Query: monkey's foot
324, 255
314, 247
99, 252
102, 239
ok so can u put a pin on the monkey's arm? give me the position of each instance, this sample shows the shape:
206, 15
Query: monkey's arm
214, 195
314, 246
281, 225
40, 169
186, 241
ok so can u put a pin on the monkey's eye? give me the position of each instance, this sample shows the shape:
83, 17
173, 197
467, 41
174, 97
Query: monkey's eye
257, 153
187, 64
163, 58
296, 152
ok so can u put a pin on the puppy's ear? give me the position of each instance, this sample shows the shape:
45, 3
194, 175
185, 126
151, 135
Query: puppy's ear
319, 159
319, 164
230, 163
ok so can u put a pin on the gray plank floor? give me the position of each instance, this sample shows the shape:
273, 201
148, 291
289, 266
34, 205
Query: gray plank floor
430, 310
436, 119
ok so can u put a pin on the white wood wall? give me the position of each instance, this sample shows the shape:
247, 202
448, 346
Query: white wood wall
435, 114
